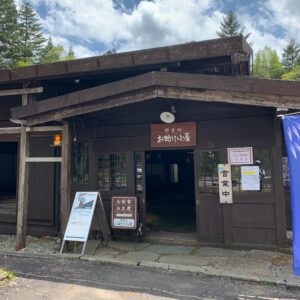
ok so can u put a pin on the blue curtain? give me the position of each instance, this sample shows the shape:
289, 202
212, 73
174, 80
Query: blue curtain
291, 126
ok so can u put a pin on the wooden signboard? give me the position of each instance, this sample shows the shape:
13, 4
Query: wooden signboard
124, 212
81, 216
173, 135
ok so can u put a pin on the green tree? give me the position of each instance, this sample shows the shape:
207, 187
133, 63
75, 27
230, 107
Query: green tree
230, 26
70, 55
110, 51
31, 38
290, 55
8, 34
294, 74
52, 53
267, 64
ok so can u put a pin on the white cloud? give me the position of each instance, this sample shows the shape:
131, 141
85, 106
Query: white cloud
158, 23
287, 14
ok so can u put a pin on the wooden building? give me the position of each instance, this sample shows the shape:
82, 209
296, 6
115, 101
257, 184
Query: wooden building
106, 106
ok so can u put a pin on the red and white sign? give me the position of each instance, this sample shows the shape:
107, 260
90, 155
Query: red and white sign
240, 156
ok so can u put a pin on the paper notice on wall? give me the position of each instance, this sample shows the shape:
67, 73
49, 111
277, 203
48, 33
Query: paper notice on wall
225, 184
250, 178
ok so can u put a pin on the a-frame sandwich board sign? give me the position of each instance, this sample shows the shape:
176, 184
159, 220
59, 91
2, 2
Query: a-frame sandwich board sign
81, 217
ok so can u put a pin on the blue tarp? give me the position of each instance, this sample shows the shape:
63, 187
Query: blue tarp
291, 126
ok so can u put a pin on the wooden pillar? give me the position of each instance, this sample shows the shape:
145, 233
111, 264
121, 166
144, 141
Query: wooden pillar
22, 190
65, 193
278, 186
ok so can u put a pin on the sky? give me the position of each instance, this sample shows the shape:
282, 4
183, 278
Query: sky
92, 27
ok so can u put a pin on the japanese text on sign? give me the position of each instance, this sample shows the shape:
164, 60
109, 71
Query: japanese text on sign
124, 212
240, 156
173, 135
81, 216
250, 178
225, 184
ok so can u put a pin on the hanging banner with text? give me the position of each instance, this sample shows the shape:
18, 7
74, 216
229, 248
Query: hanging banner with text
173, 135
225, 184
291, 126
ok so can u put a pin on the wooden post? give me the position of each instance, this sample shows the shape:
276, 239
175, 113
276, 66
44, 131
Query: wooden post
278, 186
65, 195
22, 190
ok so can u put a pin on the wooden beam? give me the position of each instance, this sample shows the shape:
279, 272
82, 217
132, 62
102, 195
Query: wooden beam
23, 91
44, 129
43, 159
85, 96
135, 97
23, 184
65, 193
198, 82
17, 130
278, 186
169, 93
242, 98
10, 130
131, 60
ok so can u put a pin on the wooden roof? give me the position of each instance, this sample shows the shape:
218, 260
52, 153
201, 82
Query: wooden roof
196, 87
228, 47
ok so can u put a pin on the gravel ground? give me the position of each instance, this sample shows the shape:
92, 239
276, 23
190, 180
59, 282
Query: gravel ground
43, 245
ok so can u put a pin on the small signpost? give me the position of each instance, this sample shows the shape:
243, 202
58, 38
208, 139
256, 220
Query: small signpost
124, 215
124, 212
225, 184
81, 216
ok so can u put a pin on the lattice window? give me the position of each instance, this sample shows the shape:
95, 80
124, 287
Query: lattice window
80, 163
208, 177
263, 155
112, 172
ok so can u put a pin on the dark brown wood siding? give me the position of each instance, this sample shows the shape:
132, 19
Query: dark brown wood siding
251, 219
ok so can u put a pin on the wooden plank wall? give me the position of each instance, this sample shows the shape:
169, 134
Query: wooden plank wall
252, 217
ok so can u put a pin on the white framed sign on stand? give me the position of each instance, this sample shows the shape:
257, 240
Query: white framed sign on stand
81, 217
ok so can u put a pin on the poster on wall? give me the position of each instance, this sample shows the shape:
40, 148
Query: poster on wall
225, 184
240, 156
124, 212
250, 178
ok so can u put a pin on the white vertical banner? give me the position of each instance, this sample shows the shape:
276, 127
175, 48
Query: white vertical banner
225, 183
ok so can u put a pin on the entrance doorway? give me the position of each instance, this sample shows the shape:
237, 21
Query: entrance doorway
170, 187
8, 177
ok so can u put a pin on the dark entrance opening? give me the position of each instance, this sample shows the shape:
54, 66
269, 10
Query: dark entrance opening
170, 190
8, 177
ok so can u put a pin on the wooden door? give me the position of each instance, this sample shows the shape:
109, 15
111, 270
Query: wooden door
208, 209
